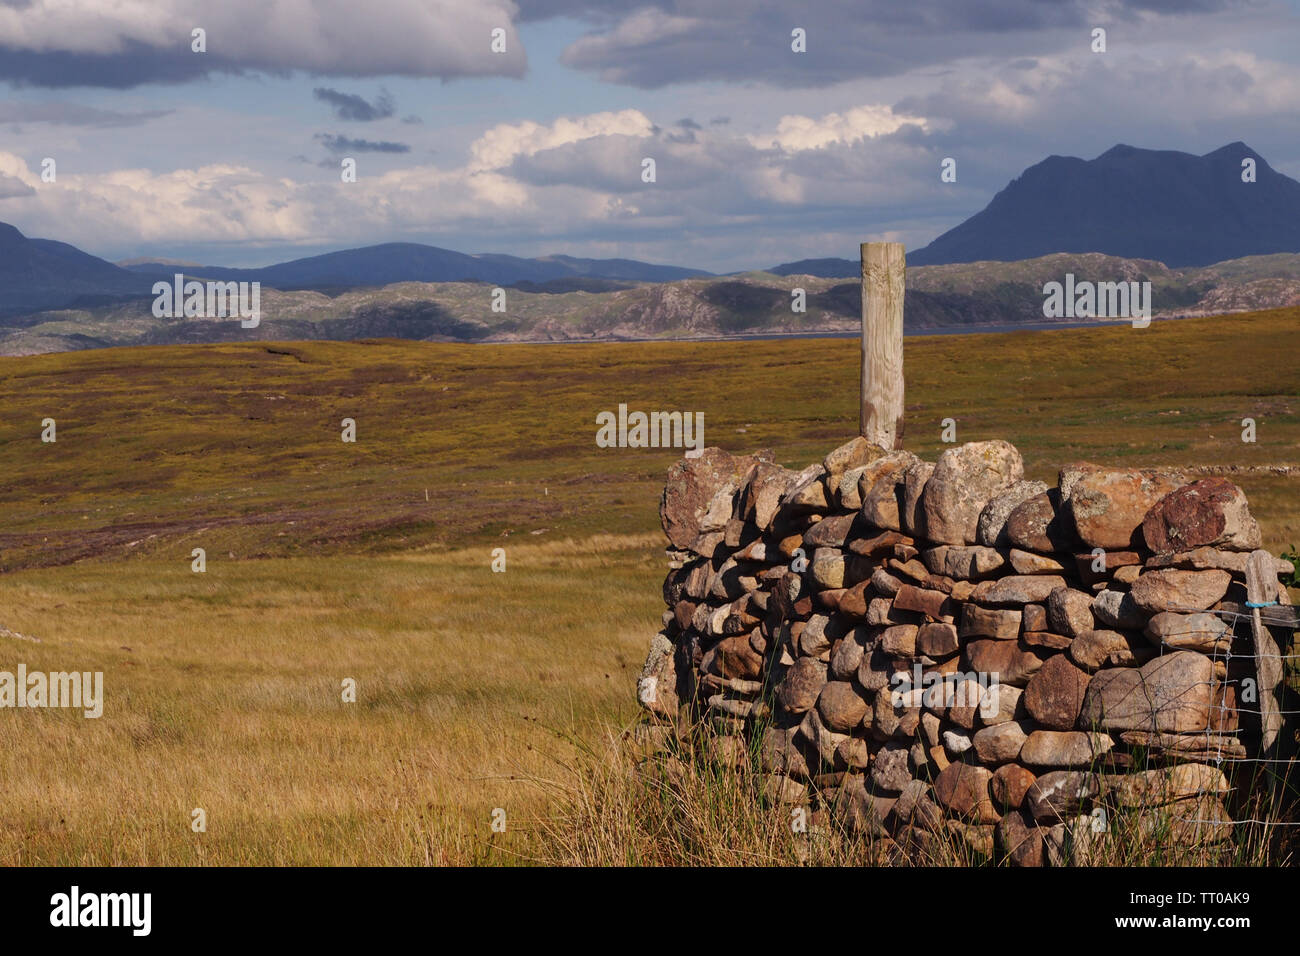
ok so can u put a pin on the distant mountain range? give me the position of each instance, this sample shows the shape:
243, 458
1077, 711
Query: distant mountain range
1157, 214
39, 274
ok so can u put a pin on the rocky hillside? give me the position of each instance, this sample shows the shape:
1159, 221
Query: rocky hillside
957, 296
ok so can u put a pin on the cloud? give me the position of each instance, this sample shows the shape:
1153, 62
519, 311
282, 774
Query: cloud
578, 177
63, 43
498, 147
345, 144
72, 114
684, 41
12, 187
349, 106
795, 133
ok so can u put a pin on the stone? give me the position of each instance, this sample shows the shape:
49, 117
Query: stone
1017, 589
1070, 612
657, 682
924, 601
823, 739
807, 492
1037, 524
1007, 661
1099, 648
1167, 784
964, 480
778, 788
1204, 559
1107, 508
852, 454
780, 752
937, 640
970, 563
1202, 823
1202, 632
976, 621
852, 753
894, 717
899, 640
1093, 567
991, 530
1046, 639
1124, 577
962, 700
939, 758
691, 488
733, 657
1000, 743
973, 844
890, 770
799, 689
830, 532
1170, 694
841, 706
1192, 746
914, 480
767, 485
885, 583
828, 568
881, 545
818, 634
963, 789
1211, 512
846, 657
1000, 703
881, 613
1071, 843
1034, 617
955, 742
1009, 785
1027, 562
1064, 748
1060, 794
1055, 694
1172, 590
915, 806
1021, 843
1117, 609
862, 810
882, 497
873, 674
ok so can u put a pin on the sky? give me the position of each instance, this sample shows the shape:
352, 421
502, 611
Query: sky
762, 154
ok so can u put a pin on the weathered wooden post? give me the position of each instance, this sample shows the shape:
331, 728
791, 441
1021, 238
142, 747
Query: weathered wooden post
883, 267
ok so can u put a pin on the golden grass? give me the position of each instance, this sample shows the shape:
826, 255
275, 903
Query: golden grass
476, 690
223, 691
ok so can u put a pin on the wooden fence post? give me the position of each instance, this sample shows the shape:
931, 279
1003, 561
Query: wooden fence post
881, 420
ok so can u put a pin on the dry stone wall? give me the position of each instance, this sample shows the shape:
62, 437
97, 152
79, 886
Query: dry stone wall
921, 647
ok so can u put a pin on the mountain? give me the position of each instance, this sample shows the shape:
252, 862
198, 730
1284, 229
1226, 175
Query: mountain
1176, 208
393, 262
824, 268
40, 274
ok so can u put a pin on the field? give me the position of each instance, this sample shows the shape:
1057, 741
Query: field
372, 560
